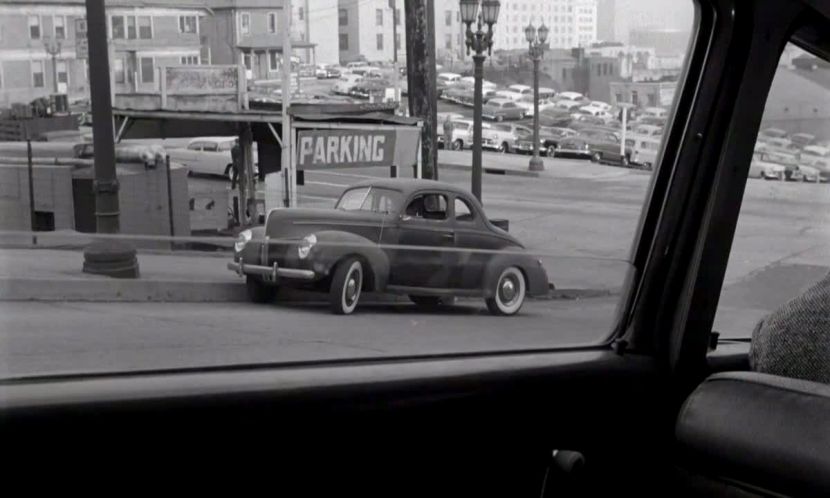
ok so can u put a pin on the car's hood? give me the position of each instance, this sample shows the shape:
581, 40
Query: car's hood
298, 222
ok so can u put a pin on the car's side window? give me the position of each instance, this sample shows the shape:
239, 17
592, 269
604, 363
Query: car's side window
463, 210
195, 146
429, 206
212, 147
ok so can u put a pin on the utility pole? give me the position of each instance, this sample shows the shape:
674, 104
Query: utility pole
396, 77
105, 257
287, 163
420, 73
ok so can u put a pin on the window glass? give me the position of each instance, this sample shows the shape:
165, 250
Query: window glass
59, 23
463, 211
573, 221
781, 245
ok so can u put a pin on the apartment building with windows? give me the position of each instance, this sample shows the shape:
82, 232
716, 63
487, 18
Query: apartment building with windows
250, 32
143, 37
366, 30
572, 22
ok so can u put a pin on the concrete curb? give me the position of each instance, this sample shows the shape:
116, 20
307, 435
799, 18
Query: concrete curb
491, 170
180, 291
119, 290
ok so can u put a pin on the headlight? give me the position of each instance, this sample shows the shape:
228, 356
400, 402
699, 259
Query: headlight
243, 238
305, 245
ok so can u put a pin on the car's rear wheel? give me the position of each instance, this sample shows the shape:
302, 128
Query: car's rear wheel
624, 161
457, 145
499, 118
346, 285
259, 291
596, 157
509, 294
551, 152
504, 147
229, 172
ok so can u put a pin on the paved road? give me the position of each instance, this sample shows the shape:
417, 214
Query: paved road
64, 337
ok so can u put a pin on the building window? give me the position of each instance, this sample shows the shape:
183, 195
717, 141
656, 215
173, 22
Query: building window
247, 61
37, 74
619, 97
34, 27
273, 62
344, 41
448, 18
59, 24
380, 41
448, 41
397, 41
635, 98
379, 17
145, 27
190, 60
63, 75
245, 23
301, 14
188, 24
343, 17
564, 73
132, 30
118, 30
118, 69
272, 22
147, 70
204, 54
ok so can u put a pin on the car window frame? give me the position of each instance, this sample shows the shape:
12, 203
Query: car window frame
470, 206
418, 193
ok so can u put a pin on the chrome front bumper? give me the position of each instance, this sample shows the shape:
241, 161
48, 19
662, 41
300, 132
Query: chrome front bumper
271, 273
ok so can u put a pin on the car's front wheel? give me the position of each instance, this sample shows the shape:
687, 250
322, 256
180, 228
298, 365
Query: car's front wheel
457, 145
258, 291
509, 294
504, 147
346, 285
551, 151
596, 157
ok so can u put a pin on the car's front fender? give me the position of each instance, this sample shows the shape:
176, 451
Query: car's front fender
333, 246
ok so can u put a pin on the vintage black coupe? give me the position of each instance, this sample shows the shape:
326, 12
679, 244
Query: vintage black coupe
421, 238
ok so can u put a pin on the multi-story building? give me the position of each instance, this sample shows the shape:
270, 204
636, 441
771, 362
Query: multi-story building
449, 31
606, 11
143, 38
585, 18
250, 32
366, 30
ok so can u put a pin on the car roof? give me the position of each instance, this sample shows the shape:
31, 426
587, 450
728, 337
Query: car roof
410, 185
211, 139
498, 101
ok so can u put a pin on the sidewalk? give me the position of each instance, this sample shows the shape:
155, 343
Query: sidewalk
517, 164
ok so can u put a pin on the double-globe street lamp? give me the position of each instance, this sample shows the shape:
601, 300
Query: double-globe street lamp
536, 39
479, 41
53, 48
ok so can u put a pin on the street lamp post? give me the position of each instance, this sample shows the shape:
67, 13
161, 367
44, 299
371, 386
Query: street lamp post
479, 41
536, 39
53, 48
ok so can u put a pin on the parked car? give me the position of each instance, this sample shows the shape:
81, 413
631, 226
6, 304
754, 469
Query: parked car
644, 150
505, 137
462, 133
151, 156
507, 94
369, 86
458, 92
448, 78
499, 109
597, 144
782, 145
767, 133
812, 154
785, 159
802, 139
575, 96
817, 172
546, 93
549, 138
526, 103
361, 245
553, 116
345, 83
762, 167
208, 156
327, 71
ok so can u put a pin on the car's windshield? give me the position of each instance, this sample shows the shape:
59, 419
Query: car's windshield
374, 199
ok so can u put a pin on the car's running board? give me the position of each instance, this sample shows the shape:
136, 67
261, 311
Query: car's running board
433, 291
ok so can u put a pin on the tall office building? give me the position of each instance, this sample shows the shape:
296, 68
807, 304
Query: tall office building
606, 10
571, 22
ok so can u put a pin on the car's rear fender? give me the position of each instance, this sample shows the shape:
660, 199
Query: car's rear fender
534, 272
